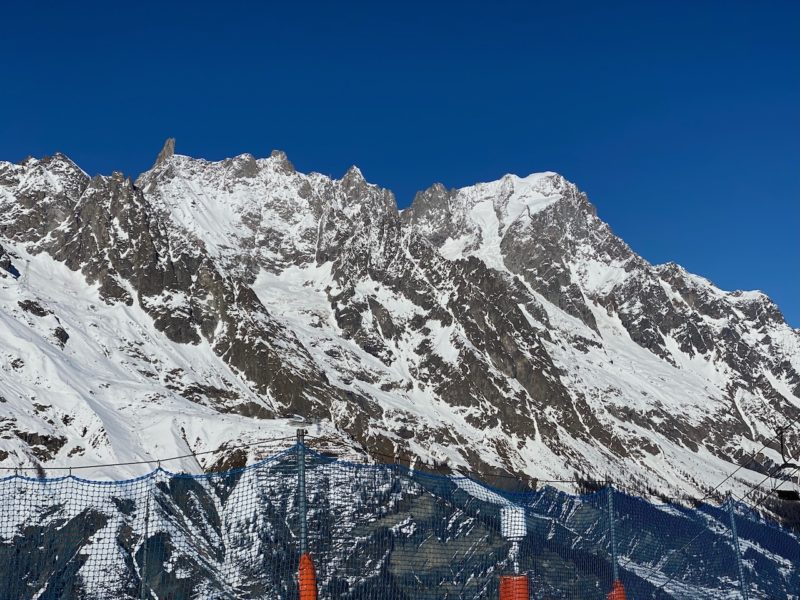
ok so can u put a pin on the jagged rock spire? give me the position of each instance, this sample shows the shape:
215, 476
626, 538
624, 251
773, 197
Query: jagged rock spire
166, 152
282, 161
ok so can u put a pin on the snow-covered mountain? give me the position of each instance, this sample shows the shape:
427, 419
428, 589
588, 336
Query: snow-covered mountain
499, 328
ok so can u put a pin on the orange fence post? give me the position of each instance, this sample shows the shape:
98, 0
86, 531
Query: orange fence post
617, 591
514, 587
307, 577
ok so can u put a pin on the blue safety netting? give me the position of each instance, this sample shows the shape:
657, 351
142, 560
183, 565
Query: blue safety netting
373, 532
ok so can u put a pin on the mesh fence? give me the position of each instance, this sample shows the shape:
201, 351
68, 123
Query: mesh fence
373, 532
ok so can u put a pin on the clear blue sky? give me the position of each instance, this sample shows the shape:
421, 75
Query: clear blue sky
680, 119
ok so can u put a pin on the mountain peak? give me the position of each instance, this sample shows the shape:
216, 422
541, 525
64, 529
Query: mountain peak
354, 174
281, 162
55, 161
167, 151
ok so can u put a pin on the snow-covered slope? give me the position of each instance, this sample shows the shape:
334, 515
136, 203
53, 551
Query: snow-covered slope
501, 327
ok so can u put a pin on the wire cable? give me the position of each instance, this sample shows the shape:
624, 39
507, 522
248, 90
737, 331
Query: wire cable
153, 460
781, 431
763, 481
481, 474
756, 505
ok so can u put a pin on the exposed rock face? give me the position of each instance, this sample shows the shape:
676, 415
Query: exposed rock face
6, 266
501, 327
166, 152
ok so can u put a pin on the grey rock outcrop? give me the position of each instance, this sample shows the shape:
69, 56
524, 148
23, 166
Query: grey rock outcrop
167, 151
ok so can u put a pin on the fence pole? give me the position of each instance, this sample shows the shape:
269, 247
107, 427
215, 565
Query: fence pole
514, 528
735, 535
143, 568
617, 589
612, 533
301, 489
306, 575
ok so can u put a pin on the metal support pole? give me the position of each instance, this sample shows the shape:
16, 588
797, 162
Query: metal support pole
732, 513
301, 489
143, 591
612, 533
306, 574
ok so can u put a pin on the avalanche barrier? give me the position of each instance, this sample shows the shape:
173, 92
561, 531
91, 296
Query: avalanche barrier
374, 532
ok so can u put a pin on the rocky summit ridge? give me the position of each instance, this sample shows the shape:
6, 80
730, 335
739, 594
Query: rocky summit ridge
500, 328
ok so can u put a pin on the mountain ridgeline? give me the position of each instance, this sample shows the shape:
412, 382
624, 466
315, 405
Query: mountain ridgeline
500, 328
